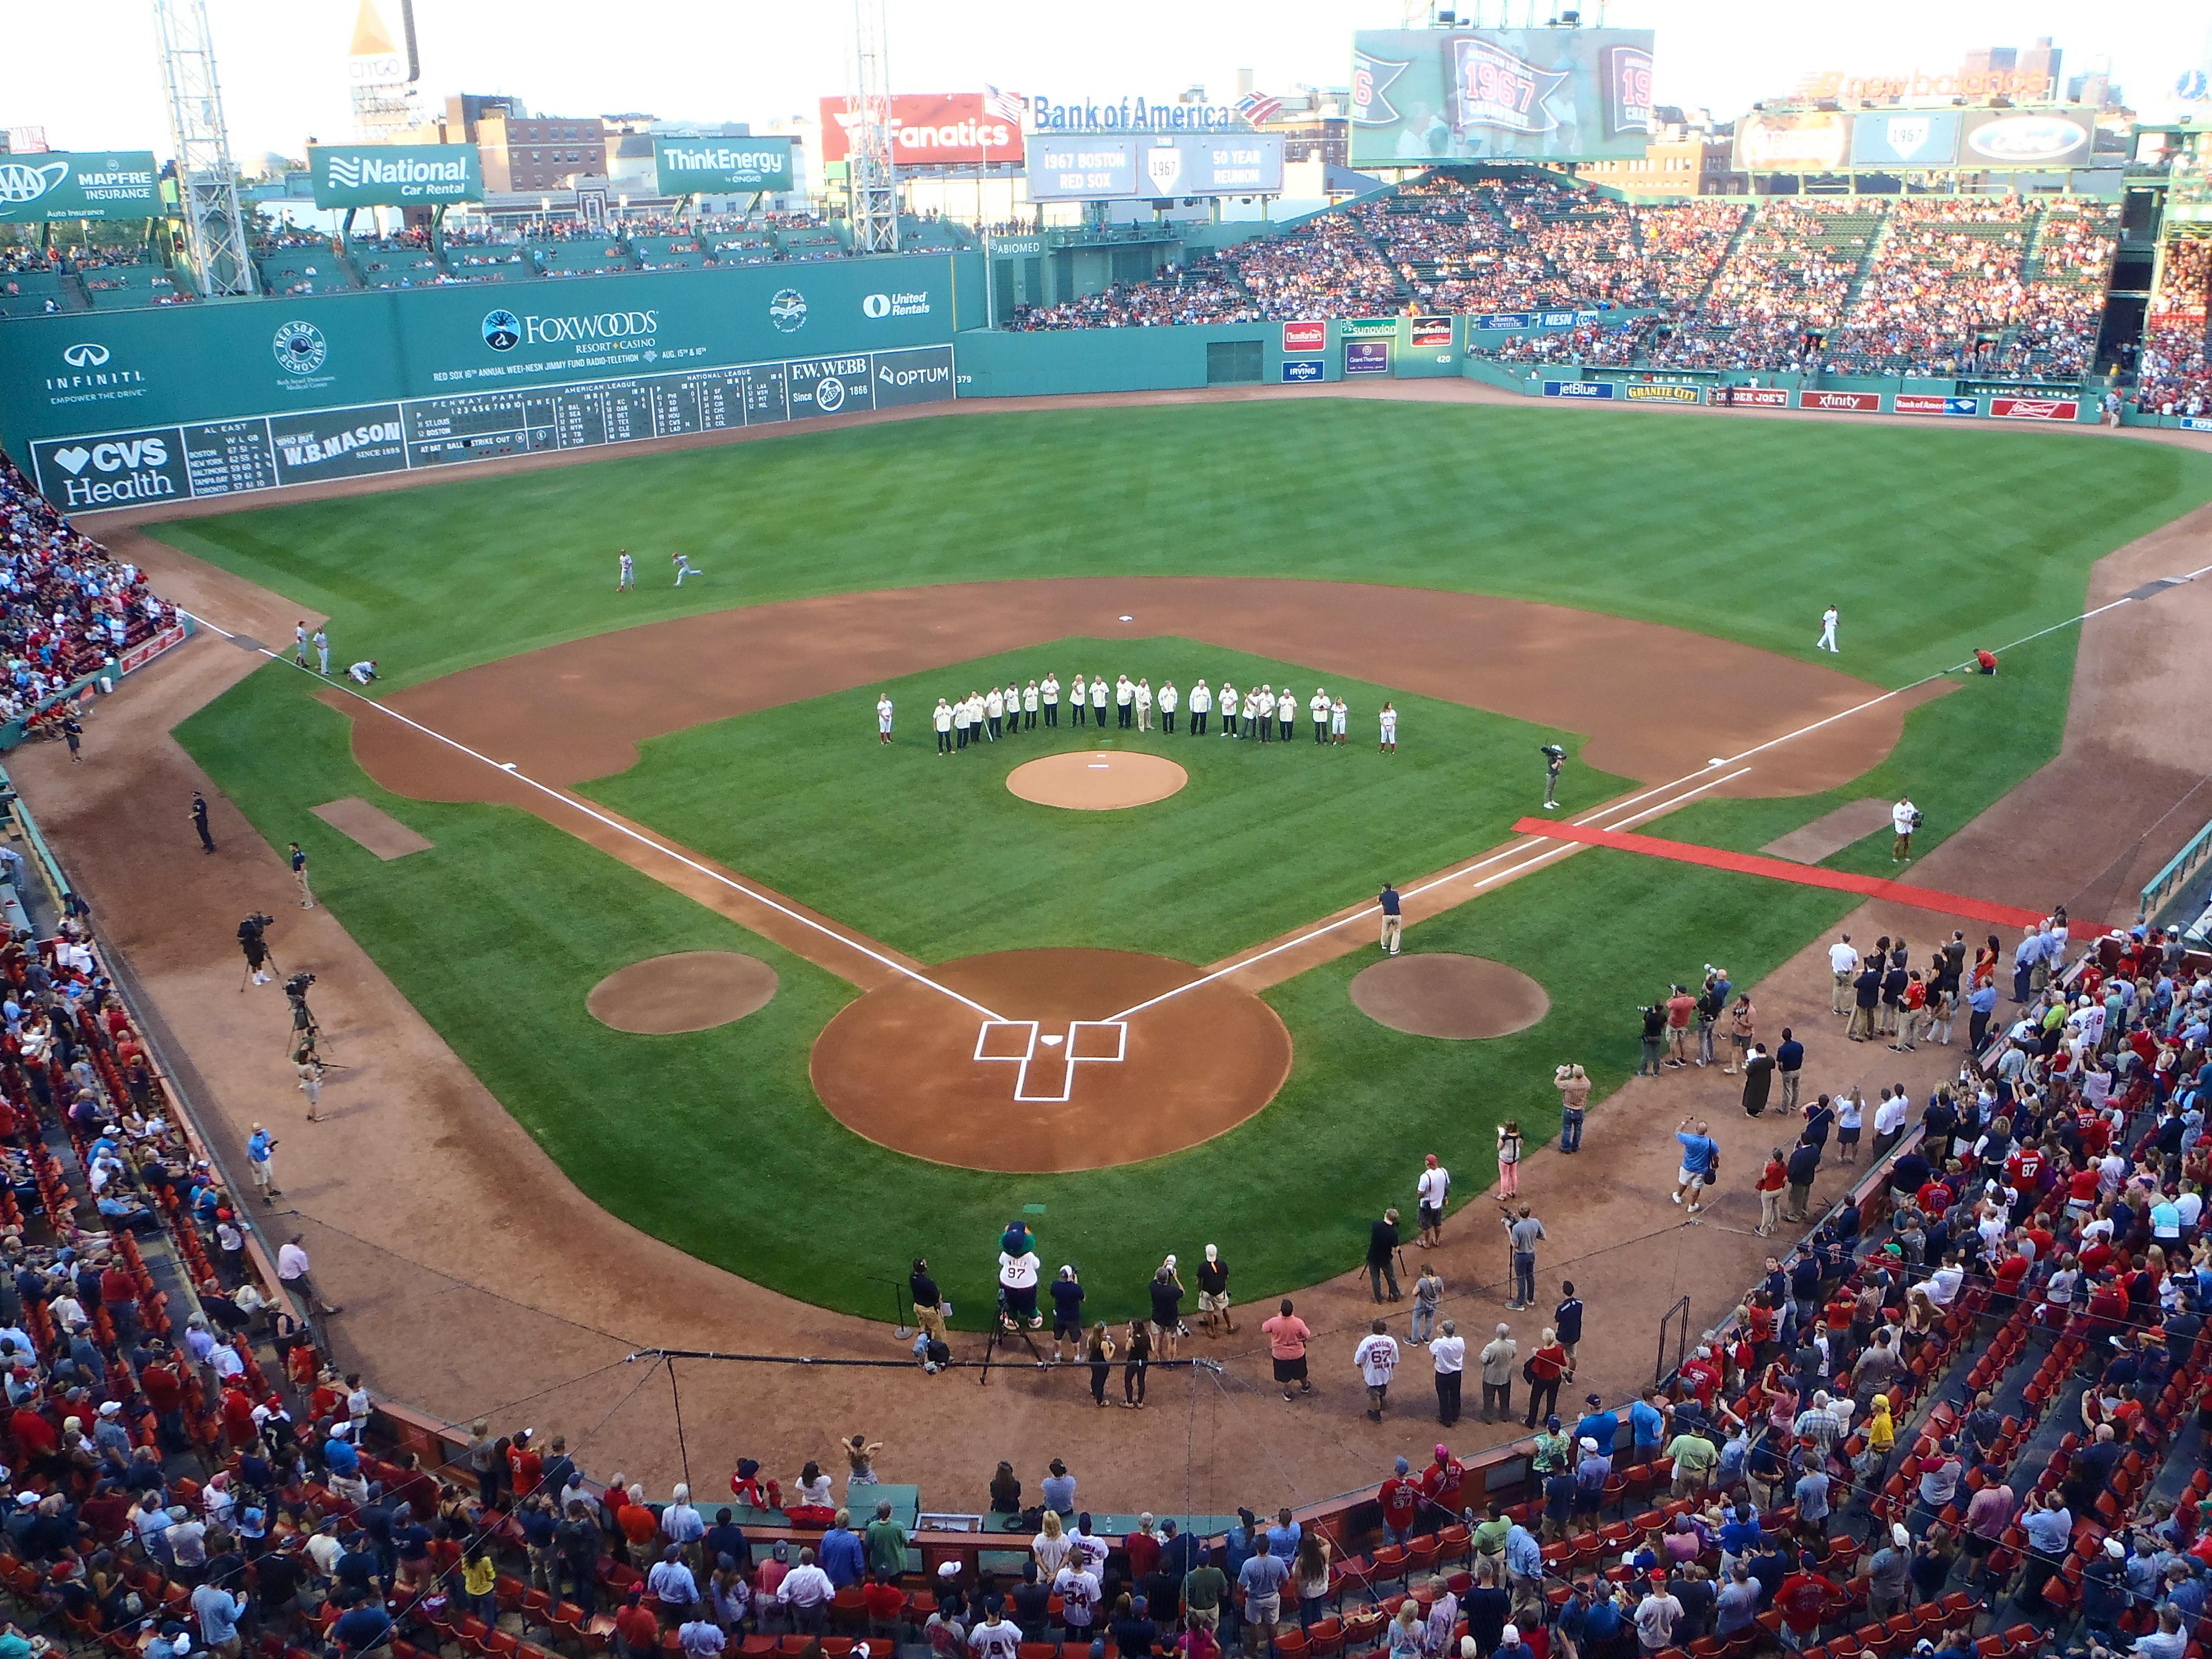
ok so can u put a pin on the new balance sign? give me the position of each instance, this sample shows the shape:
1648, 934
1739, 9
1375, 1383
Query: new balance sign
1305, 337
1857, 403
394, 175
2035, 408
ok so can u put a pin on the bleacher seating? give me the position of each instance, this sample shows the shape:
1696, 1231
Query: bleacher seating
2175, 377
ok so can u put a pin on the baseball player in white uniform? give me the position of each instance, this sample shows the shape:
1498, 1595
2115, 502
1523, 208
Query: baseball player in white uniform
1201, 705
994, 711
625, 571
1167, 701
1098, 700
1339, 713
1078, 701
1390, 718
684, 567
1030, 707
1319, 710
883, 717
1144, 705
1286, 714
1229, 710
1828, 631
1125, 697
1049, 694
960, 724
942, 720
1260, 707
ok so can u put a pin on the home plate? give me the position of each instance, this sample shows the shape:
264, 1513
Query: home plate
506, 766
1052, 1042
1718, 760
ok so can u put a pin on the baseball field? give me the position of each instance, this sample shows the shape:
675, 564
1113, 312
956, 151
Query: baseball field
696, 769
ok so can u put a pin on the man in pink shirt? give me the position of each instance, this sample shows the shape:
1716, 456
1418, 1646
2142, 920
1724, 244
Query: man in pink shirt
1989, 1512
1287, 1336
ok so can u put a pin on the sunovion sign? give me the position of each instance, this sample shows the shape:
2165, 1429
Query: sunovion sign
69, 185
720, 166
394, 175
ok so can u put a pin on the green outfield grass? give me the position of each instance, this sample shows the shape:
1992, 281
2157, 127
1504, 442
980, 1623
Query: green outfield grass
937, 858
1932, 542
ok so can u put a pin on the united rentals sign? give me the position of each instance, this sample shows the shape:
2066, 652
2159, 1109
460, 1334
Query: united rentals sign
394, 175
67, 184
721, 166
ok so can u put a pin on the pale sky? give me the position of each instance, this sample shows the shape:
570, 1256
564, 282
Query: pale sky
87, 72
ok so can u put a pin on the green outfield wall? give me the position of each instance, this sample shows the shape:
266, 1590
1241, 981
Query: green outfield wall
120, 407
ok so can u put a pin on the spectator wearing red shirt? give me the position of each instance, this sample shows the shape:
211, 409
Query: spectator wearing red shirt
523, 1465
238, 1427
637, 1630
1803, 1598
36, 1442
884, 1602
1400, 1499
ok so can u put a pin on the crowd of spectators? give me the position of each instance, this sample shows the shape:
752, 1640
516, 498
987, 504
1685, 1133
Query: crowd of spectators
2175, 376
67, 606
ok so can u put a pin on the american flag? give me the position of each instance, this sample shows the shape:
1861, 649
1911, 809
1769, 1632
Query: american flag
1006, 106
1258, 108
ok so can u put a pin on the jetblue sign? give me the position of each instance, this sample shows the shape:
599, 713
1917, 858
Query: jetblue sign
1578, 388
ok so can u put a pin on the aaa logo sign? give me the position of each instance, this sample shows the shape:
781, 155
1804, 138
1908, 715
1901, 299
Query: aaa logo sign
1497, 90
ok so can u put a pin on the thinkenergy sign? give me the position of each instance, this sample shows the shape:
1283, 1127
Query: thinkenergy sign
721, 166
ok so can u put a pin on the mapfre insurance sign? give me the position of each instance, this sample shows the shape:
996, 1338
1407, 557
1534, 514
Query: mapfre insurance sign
929, 128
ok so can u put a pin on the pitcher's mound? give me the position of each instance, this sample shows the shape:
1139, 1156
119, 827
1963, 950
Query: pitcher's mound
689, 991
1096, 781
1435, 994
1048, 1079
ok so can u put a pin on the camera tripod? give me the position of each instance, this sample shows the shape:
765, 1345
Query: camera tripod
268, 961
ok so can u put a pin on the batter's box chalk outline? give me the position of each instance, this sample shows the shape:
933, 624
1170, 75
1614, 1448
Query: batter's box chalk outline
1081, 1039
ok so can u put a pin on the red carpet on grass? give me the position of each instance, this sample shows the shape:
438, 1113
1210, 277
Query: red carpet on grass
1751, 864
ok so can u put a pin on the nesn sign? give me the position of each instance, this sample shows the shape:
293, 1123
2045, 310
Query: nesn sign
1300, 370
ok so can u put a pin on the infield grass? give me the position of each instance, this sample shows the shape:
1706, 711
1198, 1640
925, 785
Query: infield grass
1931, 541
937, 858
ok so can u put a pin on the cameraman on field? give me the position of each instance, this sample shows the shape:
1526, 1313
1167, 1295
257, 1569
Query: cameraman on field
253, 940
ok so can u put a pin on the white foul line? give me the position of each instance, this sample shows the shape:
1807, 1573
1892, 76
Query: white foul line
691, 864
1373, 911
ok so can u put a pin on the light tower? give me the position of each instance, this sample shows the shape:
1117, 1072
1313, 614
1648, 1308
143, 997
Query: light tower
872, 173
206, 179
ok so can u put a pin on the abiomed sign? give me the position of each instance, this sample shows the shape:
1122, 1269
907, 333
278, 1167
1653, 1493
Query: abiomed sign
395, 175
721, 166
69, 184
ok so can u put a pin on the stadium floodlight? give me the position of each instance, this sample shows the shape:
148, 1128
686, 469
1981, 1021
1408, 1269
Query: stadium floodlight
206, 179
871, 170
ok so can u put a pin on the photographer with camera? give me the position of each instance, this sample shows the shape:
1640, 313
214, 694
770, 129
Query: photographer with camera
252, 939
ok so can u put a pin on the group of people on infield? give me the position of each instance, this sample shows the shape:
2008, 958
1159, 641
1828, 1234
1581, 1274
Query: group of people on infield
1266, 711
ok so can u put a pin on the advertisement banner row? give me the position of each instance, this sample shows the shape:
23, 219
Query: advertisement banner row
1422, 96
1095, 167
1311, 337
721, 166
97, 372
394, 175
199, 459
2011, 408
1985, 140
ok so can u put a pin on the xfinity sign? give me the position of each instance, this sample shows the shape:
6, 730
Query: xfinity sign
394, 175
721, 166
